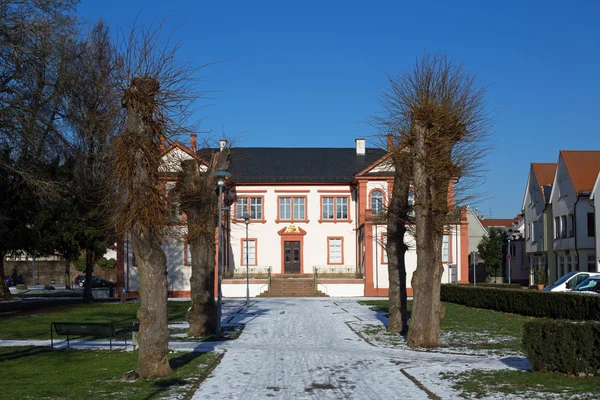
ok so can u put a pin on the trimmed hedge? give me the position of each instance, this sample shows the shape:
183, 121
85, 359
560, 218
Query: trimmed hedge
500, 285
525, 302
563, 346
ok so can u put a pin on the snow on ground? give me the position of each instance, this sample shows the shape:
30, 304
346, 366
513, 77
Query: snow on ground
308, 348
315, 349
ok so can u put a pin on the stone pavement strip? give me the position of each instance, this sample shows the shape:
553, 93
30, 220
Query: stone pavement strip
304, 349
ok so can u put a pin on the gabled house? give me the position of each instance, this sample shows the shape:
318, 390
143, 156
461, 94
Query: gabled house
538, 221
314, 214
574, 225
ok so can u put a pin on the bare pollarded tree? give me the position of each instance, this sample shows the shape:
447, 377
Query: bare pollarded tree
437, 114
196, 191
158, 97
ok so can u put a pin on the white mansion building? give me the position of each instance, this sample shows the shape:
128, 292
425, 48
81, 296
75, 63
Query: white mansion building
313, 214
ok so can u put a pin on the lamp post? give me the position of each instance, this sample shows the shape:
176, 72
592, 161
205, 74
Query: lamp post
220, 175
246, 218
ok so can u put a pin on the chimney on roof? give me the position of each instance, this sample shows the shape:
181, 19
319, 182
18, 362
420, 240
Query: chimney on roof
193, 142
222, 144
360, 146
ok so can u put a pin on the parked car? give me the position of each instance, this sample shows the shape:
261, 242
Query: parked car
591, 286
96, 282
8, 280
569, 281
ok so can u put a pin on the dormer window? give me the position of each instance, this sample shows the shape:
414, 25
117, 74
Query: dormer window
377, 202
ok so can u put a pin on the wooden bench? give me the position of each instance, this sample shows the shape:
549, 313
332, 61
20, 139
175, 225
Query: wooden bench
89, 329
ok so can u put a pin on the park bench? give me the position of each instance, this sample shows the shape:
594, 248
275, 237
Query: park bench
88, 329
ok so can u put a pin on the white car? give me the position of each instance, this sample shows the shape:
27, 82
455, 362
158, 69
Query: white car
569, 281
590, 286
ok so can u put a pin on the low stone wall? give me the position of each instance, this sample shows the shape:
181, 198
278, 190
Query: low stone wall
44, 272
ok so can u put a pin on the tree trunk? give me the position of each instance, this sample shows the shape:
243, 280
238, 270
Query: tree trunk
424, 330
68, 274
202, 315
153, 336
5, 292
147, 212
200, 203
89, 270
396, 248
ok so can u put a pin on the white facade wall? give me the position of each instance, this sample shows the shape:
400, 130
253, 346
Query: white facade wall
315, 244
534, 206
342, 289
380, 270
572, 252
563, 200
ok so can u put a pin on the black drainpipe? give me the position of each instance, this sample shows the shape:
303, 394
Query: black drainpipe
575, 231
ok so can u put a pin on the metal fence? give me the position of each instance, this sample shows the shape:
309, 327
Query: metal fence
337, 272
253, 273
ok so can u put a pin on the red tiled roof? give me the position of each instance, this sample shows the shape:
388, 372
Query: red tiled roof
544, 173
495, 222
583, 167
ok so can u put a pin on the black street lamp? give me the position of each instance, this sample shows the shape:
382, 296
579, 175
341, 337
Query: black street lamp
221, 175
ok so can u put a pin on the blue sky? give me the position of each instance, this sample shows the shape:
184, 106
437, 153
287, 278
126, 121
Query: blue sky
307, 73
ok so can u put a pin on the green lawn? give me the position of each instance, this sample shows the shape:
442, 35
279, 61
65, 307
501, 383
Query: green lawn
40, 373
473, 327
530, 385
35, 324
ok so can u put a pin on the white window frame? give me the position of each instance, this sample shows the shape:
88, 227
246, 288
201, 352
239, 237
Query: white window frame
335, 251
376, 202
446, 248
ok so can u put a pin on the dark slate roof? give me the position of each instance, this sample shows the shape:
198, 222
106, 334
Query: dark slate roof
284, 164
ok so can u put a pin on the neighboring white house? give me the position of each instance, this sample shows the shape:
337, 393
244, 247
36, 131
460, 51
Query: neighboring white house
476, 234
574, 226
311, 209
538, 221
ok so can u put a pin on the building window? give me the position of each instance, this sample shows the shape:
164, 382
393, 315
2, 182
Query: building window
561, 266
335, 250
446, 248
411, 203
568, 266
513, 251
251, 205
532, 231
591, 263
591, 229
563, 226
251, 252
292, 209
175, 214
377, 202
570, 226
334, 208
133, 260
556, 227
575, 263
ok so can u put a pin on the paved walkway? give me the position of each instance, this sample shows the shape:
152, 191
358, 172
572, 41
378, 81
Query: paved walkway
303, 349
